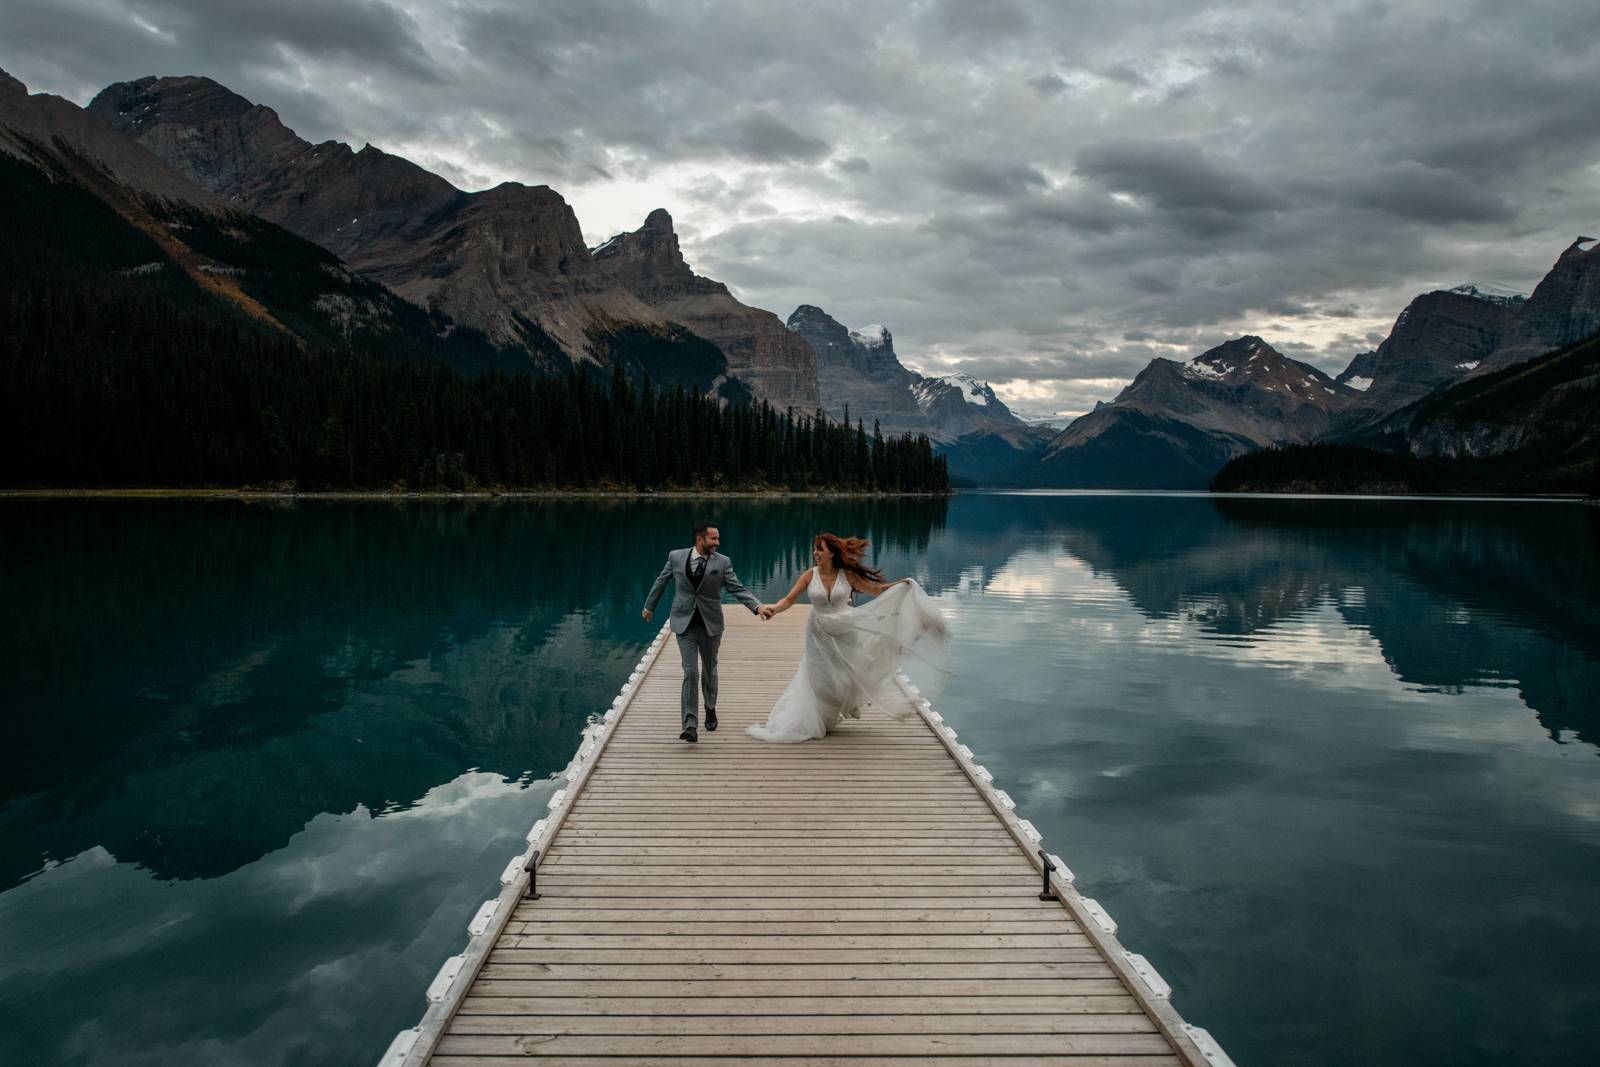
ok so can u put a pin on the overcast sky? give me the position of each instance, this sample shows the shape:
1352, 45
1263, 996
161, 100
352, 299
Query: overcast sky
1045, 195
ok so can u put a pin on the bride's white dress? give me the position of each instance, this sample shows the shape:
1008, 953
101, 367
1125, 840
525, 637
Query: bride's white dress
851, 655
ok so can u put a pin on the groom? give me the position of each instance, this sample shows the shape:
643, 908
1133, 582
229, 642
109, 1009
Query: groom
700, 575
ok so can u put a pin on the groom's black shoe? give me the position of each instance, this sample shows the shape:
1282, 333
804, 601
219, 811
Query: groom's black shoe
711, 719
689, 735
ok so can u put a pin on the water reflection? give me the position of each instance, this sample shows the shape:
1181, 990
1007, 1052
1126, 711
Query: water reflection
263, 760
1304, 755
197, 680
1457, 594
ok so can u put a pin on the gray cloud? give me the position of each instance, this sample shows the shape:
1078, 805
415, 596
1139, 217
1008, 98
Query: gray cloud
1174, 175
1426, 194
1044, 194
988, 178
1048, 84
764, 138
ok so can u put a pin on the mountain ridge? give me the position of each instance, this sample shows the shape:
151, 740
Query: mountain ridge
778, 366
510, 260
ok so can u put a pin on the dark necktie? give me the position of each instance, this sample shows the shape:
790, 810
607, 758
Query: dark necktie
699, 569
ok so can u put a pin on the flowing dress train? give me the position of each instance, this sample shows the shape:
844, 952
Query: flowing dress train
851, 655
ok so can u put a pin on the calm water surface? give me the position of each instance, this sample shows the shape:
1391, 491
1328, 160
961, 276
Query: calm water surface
1330, 764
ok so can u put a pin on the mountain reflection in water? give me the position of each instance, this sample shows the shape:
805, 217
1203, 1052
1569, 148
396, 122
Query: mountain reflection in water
264, 759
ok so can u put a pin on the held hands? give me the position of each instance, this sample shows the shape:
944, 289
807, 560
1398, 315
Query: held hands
768, 611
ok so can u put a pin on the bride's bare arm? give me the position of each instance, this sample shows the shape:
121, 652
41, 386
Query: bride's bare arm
791, 596
868, 586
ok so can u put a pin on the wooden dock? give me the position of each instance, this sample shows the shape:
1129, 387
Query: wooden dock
869, 898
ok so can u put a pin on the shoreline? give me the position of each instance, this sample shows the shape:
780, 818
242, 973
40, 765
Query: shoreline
158, 493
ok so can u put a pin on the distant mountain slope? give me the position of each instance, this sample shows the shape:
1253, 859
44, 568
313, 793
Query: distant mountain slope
860, 372
778, 366
1563, 309
1439, 338
1176, 423
83, 200
1543, 414
509, 261
1531, 427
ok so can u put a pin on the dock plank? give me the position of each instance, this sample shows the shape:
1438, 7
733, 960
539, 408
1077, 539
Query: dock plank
857, 900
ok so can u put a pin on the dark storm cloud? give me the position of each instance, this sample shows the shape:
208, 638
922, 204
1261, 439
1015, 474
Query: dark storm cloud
987, 178
1174, 175
1045, 194
1048, 84
1430, 195
764, 138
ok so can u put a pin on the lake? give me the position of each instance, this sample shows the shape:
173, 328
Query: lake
1331, 764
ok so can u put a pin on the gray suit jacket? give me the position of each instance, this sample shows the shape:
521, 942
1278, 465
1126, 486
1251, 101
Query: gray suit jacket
708, 598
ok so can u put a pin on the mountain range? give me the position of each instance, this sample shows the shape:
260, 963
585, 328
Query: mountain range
365, 249
1471, 371
510, 263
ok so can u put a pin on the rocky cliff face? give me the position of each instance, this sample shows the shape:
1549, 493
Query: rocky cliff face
959, 404
510, 260
58, 133
778, 366
861, 372
1439, 338
1358, 375
94, 196
1176, 423
1564, 308
1541, 416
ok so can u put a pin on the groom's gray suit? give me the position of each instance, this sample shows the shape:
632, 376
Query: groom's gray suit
696, 619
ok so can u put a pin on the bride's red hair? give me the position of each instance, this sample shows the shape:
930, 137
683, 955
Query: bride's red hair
846, 553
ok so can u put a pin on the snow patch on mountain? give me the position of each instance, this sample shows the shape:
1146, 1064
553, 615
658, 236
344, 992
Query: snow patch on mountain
1206, 371
1492, 294
929, 391
1360, 385
874, 336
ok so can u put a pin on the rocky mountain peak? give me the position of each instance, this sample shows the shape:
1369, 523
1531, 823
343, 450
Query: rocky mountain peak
1576, 248
1245, 366
869, 351
1243, 357
42, 124
498, 260
1564, 307
649, 263
937, 397
826, 335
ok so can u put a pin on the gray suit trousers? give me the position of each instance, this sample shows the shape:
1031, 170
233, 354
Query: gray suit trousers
699, 651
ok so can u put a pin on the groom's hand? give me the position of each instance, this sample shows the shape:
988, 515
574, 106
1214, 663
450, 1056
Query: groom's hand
647, 613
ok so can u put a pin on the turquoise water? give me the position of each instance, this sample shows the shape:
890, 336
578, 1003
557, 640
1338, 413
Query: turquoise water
1330, 764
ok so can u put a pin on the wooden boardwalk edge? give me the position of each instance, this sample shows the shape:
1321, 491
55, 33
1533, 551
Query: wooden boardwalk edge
496, 928
1193, 1044
414, 1047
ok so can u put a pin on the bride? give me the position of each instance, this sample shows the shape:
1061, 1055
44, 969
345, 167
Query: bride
851, 653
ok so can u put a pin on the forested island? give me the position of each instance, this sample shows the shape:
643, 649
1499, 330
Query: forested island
1335, 468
